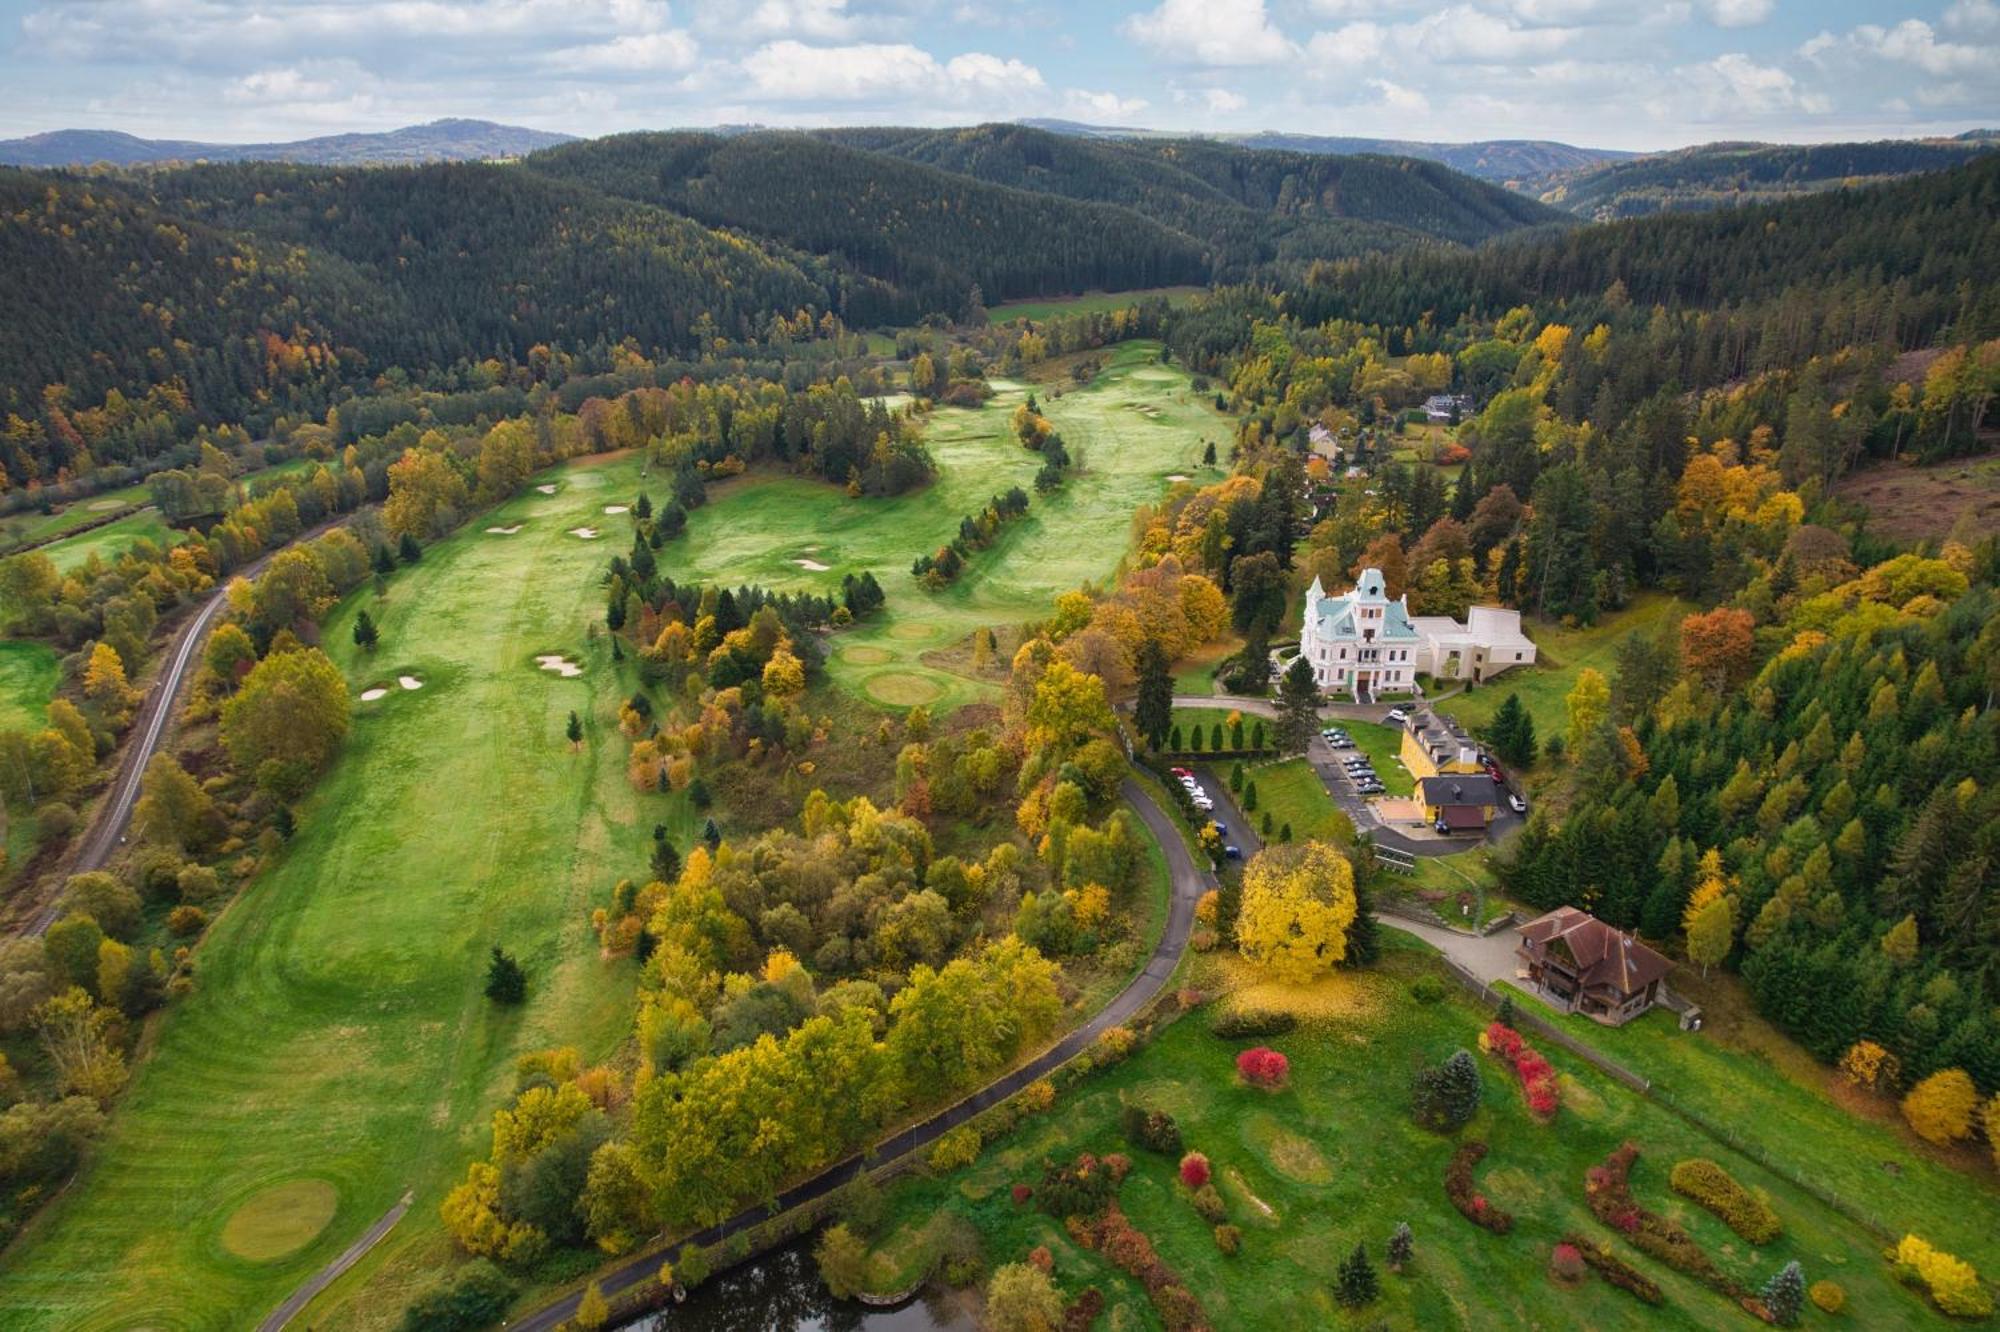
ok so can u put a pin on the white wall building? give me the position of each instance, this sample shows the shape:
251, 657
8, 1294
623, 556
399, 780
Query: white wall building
1489, 642
1362, 643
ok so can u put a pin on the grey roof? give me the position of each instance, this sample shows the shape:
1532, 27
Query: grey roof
1460, 788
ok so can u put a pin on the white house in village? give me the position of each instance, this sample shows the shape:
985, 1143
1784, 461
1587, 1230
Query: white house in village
1362, 643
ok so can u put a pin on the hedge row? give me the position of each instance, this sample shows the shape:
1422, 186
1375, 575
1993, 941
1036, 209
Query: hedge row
1742, 1211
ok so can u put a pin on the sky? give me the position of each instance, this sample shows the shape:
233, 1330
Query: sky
1634, 74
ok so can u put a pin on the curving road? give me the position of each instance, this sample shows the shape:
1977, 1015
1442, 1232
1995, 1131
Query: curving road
1189, 883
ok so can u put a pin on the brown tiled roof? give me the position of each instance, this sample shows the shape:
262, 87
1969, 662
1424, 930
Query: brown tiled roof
1604, 956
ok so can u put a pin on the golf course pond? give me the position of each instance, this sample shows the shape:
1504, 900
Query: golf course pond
781, 1292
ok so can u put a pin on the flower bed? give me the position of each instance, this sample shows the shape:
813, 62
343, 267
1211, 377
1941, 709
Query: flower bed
1538, 1077
1715, 1189
1614, 1269
1608, 1189
1472, 1205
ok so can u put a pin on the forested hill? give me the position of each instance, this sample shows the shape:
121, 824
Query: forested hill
1250, 207
919, 238
1720, 174
438, 141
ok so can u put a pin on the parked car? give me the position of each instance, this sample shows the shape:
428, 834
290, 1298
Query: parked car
1515, 803
1493, 771
1203, 803
1342, 743
1399, 715
1233, 852
1181, 773
1220, 828
1190, 783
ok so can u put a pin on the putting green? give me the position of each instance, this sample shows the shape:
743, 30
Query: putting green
913, 631
903, 691
280, 1220
860, 654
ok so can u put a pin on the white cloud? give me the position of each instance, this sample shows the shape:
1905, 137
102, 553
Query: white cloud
1459, 33
793, 71
651, 52
1913, 43
1737, 13
1351, 45
1733, 86
1981, 18
1223, 102
1082, 104
280, 85
816, 20
1218, 33
1403, 101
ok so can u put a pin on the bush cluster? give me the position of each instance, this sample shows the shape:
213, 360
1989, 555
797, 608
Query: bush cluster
1261, 1066
1246, 1023
1953, 1283
1128, 1249
1608, 1190
1155, 1130
976, 531
1614, 1269
1471, 1204
1538, 1078
1081, 1188
1741, 1210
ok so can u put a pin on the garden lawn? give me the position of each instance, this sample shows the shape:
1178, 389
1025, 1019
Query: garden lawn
28, 674
1292, 792
1560, 656
111, 540
1384, 745
1095, 302
1197, 670
1207, 719
1336, 1160
339, 1031
1135, 425
1874, 1168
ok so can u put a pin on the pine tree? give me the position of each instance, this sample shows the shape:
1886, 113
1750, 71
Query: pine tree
1513, 733
1785, 1294
1458, 1090
575, 731
711, 834
1364, 944
1356, 1285
365, 636
666, 861
1174, 741
1153, 713
1250, 796
1298, 708
506, 983
1236, 777
1402, 1246
385, 560
408, 548
1505, 1014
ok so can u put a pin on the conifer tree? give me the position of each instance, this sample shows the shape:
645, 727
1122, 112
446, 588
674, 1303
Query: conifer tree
506, 983
1153, 712
1357, 1284
365, 636
1402, 1246
1785, 1293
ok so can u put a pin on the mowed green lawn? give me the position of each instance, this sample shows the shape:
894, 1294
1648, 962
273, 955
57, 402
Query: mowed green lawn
28, 673
30, 525
111, 540
339, 1031
1135, 426
1335, 1160
1560, 656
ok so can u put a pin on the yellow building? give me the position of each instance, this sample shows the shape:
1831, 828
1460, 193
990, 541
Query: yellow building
1433, 746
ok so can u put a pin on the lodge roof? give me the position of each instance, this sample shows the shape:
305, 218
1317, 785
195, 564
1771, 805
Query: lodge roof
1604, 956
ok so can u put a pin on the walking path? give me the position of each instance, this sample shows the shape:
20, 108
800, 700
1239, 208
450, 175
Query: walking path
1489, 957
327, 1275
1189, 882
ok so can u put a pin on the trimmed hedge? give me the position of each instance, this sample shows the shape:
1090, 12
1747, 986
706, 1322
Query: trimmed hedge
1614, 1269
1472, 1205
1239, 1024
1712, 1187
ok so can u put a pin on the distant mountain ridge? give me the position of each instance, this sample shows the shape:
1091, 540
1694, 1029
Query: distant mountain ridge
438, 141
1501, 161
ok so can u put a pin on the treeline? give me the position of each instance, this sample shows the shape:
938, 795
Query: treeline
976, 531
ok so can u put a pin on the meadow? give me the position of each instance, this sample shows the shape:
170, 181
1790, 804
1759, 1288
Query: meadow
1335, 1159
339, 1032
1131, 429
28, 674
1094, 302
29, 526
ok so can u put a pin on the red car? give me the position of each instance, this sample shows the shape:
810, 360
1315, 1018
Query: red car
1180, 772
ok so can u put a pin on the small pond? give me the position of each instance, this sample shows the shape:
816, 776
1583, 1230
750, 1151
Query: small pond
781, 1292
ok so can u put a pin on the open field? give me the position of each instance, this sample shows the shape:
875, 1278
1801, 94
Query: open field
1561, 654
1134, 426
28, 674
1291, 792
1094, 302
29, 525
110, 540
1908, 503
1308, 1172
339, 1032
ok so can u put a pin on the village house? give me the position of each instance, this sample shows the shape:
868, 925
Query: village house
1442, 408
1434, 745
1581, 965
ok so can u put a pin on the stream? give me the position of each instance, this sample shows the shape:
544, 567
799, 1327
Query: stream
781, 1292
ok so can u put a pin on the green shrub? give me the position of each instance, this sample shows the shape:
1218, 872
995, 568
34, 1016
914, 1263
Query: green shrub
955, 1150
1238, 1024
1712, 1187
473, 1297
1228, 1238
1427, 989
1154, 1130
1208, 1205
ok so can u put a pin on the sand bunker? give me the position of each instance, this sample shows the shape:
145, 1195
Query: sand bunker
409, 682
370, 695
504, 531
104, 505
618, 508
546, 490
814, 565
561, 665
1178, 476
587, 533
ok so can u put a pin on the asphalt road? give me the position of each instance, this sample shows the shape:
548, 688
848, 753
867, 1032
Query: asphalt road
1189, 883
327, 1275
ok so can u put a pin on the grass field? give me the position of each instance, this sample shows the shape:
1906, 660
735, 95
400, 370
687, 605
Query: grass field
339, 1032
1135, 425
1560, 656
1095, 302
29, 525
28, 674
1382, 744
1291, 792
110, 540
1334, 1160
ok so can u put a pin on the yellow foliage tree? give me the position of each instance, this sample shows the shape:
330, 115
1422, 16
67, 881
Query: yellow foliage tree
1868, 1065
1940, 1107
1953, 1283
591, 1311
1298, 902
104, 684
784, 675
1900, 943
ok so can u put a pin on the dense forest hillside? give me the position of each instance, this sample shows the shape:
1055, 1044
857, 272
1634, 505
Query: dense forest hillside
438, 141
919, 237
1719, 174
1251, 208
1499, 160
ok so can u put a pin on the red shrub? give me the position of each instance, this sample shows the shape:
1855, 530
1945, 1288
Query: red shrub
1566, 1263
1194, 1170
1538, 1077
1039, 1256
1263, 1067
1022, 1193
1119, 1164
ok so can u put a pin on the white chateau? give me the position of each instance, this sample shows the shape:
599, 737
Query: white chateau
1362, 644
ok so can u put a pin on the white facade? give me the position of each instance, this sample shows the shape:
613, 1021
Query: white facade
1489, 642
1360, 644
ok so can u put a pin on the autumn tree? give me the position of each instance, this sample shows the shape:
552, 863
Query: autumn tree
76, 1033
842, 1256
1021, 1298
1298, 902
1717, 648
173, 809
1711, 931
230, 654
1939, 1109
1588, 704
291, 710
104, 684
426, 495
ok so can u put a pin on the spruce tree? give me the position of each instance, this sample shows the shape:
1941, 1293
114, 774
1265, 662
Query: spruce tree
1402, 1245
1785, 1293
711, 834
1458, 1090
1250, 796
506, 983
1153, 713
574, 730
1236, 777
1174, 740
385, 560
408, 548
365, 636
666, 860
1505, 1014
1364, 945
1298, 708
1356, 1285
